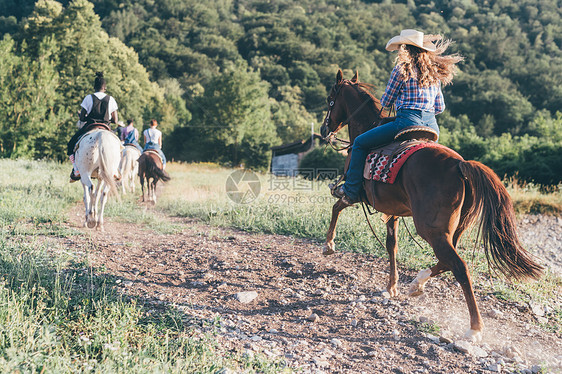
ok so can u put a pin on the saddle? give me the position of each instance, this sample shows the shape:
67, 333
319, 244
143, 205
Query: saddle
130, 145
91, 128
384, 163
155, 152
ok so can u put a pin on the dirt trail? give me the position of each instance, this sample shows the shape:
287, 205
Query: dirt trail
319, 314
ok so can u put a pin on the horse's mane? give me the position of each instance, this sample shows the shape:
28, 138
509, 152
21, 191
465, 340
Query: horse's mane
366, 89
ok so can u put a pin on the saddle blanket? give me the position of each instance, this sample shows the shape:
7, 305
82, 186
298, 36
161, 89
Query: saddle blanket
383, 167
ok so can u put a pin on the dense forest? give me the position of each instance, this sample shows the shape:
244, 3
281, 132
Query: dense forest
227, 79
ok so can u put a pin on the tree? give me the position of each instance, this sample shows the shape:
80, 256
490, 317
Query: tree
291, 119
234, 117
72, 43
27, 97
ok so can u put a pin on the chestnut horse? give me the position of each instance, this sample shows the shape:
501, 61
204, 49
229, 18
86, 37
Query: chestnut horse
151, 170
443, 193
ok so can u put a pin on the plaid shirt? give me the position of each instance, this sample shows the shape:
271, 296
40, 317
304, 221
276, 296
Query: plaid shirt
408, 95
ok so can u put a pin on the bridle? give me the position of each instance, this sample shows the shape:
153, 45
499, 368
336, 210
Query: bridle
332, 135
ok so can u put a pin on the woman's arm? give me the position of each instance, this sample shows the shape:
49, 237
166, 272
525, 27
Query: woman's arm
439, 102
392, 88
114, 117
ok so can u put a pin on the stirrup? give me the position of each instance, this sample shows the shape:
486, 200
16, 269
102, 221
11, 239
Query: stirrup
340, 194
74, 177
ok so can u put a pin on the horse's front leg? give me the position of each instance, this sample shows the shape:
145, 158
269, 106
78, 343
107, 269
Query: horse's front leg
330, 246
392, 248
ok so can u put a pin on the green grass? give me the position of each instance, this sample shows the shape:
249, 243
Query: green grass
35, 192
58, 315
428, 328
533, 199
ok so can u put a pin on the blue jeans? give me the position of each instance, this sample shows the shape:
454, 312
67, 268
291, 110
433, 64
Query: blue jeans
135, 144
379, 136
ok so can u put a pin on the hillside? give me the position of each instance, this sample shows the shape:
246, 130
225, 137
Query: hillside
506, 95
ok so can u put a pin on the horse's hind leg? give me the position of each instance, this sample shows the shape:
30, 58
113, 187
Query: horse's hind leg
449, 259
330, 246
392, 248
142, 185
132, 175
152, 190
88, 187
104, 196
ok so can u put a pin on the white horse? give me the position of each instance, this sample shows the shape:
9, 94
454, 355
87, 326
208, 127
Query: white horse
129, 168
98, 156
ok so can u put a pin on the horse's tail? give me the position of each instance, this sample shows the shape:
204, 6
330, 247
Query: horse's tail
106, 171
162, 174
497, 222
153, 169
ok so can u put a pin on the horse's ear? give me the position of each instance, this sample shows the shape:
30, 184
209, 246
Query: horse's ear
339, 76
355, 78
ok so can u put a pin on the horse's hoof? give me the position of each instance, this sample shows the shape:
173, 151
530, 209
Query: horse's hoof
474, 336
418, 285
328, 249
416, 289
91, 224
415, 292
393, 291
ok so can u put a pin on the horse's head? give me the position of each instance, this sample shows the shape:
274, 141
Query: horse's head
346, 103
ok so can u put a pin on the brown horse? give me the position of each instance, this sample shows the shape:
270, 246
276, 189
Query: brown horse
443, 193
151, 170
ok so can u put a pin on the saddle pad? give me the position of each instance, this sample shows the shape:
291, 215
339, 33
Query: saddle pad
131, 146
384, 168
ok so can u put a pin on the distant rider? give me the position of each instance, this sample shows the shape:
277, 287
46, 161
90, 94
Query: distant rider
130, 135
153, 140
98, 107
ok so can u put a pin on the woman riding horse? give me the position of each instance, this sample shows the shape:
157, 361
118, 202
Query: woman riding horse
415, 89
153, 140
97, 108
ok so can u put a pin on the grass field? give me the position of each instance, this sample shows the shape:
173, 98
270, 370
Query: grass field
57, 315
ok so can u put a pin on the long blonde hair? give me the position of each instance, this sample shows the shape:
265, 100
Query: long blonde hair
429, 68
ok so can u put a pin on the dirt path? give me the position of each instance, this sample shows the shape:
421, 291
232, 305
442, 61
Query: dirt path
319, 314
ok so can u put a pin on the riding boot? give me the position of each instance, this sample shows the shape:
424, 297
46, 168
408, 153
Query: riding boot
74, 174
339, 192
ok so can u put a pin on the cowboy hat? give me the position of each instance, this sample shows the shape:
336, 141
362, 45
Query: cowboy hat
411, 37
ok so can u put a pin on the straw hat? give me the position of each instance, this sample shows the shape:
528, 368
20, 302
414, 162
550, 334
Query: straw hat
411, 37
120, 124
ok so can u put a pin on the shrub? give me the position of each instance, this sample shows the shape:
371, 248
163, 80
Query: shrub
323, 158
